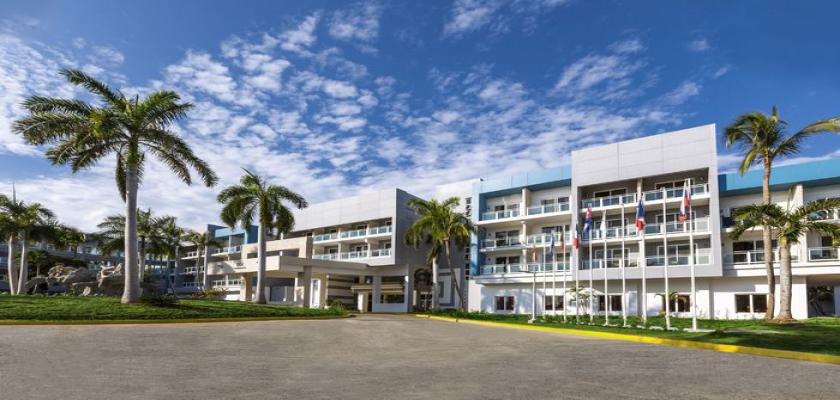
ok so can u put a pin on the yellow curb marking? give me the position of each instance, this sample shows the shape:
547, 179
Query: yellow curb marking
726, 348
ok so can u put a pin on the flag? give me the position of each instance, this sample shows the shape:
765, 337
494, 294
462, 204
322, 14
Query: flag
533, 253
588, 222
563, 241
603, 227
685, 203
640, 215
575, 239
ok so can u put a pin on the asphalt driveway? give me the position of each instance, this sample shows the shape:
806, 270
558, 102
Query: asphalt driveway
378, 357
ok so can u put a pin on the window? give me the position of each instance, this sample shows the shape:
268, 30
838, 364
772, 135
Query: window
391, 298
615, 303
682, 303
610, 192
440, 289
670, 185
553, 302
825, 241
751, 303
504, 303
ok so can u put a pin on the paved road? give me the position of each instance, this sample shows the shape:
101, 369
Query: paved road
378, 357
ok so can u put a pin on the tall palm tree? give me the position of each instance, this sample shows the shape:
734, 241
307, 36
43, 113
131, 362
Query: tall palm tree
203, 242
38, 259
167, 242
114, 228
442, 227
23, 222
790, 224
128, 128
255, 197
69, 237
763, 139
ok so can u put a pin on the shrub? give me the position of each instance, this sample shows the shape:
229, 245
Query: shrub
158, 300
210, 294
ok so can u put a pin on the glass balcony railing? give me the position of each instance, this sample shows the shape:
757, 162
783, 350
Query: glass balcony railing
544, 239
678, 260
676, 193
191, 254
701, 225
227, 250
356, 233
608, 201
380, 253
502, 243
822, 254
492, 269
494, 215
547, 267
548, 209
629, 231
325, 237
326, 256
379, 230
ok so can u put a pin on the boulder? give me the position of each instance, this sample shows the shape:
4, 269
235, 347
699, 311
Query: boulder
38, 284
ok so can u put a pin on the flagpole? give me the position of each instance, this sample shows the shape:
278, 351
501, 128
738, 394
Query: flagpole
642, 255
576, 266
665, 242
544, 279
606, 267
565, 271
591, 317
533, 285
623, 257
691, 261
553, 275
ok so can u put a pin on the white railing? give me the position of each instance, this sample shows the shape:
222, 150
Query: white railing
380, 253
492, 269
357, 233
548, 209
544, 239
494, 215
701, 258
227, 250
629, 231
651, 195
676, 193
822, 254
354, 255
701, 225
226, 283
502, 243
608, 201
547, 267
324, 237
754, 257
328, 256
193, 270
379, 230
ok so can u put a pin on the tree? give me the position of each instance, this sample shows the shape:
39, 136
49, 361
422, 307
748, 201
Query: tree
167, 242
763, 139
38, 259
128, 128
442, 227
23, 222
789, 224
146, 228
69, 237
203, 241
255, 197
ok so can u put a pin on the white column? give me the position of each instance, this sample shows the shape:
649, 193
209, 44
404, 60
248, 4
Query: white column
837, 300
376, 292
306, 282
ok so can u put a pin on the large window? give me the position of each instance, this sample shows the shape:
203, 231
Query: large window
392, 298
504, 303
553, 302
679, 303
615, 302
610, 192
751, 303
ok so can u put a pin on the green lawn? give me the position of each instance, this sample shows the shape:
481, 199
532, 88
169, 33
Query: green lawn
69, 308
815, 335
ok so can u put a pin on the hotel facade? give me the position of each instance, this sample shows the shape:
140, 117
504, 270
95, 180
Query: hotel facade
352, 250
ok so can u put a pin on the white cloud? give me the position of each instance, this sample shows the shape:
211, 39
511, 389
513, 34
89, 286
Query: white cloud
699, 45
339, 89
722, 71
683, 92
470, 15
107, 55
627, 46
360, 22
297, 40
473, 15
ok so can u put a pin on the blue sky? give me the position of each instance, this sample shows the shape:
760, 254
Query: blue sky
331, 98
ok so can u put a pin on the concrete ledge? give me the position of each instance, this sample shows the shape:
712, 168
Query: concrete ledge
12, 322
726, 348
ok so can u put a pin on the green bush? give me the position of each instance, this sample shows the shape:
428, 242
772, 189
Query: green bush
158, 300
210, 294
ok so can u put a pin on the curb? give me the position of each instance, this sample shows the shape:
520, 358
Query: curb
34, 322
725, 348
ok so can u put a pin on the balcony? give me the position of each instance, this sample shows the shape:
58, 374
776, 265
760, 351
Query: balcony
675, 193
495, 215
616, 200
354, 234
701, 225
548, 209
191, 254
610, 262
544, 239
501, 244
354, 255
192, 270
226, 283
629, 231
701, 258
493, 269
547, 267
754, 257
227, 250
190, 284
825, 215
651, 195
820, 254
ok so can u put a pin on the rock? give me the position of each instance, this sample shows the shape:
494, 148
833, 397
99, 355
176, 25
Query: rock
38, 284
78, 275
81, 288
111, 285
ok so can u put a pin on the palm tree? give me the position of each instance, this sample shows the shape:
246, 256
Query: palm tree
127, 128
38, 259
763, 139
789, 224
254, 196
22, 222
203, 241
69, 237
167, 245
442, 227
114, 228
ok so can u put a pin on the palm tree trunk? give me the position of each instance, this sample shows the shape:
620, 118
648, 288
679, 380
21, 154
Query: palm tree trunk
24, 266
131, 291
142, 259
170, 274
435, 294
11, 265
261, 265
768, 246
204, 278
785, 284
454, 279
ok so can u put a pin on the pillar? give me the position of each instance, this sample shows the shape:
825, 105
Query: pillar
408, 290
376, 292
837, 300
246, 287
305, 279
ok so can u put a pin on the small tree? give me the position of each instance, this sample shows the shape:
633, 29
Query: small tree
203, 242
789, 224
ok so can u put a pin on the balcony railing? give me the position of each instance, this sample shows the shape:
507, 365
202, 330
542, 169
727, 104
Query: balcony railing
651, 195
193, 270
354, 255
676, 261
629, 231
544, 239
356, 233
502, 243
327, 256
228, 250
548, 209
494, 215
547, 267
822, 254
226, 283
608, 201
825, 215
754, 257
492, 269
676, 193
701, 225
380, 253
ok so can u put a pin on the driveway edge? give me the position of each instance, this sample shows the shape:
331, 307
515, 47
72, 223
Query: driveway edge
35, 322
726, 348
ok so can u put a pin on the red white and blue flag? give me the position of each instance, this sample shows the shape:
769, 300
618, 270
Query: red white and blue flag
640, 215
587, 225
685, 203
575, 239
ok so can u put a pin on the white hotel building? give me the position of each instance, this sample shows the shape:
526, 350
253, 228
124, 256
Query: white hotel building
352, 250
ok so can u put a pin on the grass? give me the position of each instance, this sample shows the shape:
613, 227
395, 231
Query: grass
104, 309
814, 335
